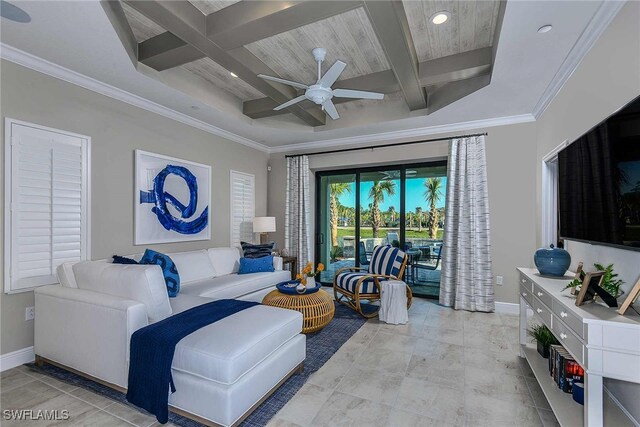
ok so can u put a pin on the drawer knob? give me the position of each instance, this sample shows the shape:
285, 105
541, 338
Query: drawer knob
524, 294
563, 314
563, 336
540, 294
539, 310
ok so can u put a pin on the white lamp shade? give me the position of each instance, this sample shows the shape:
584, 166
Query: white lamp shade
264, 224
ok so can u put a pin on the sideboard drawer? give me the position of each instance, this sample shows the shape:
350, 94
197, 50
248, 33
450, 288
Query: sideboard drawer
568, 340
526, 283
543, 312
568, 317
525, 292
542, 295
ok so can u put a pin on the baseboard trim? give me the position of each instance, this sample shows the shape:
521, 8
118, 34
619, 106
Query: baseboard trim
507, 308
16, 358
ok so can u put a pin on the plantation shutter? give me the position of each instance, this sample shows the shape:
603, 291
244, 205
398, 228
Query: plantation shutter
48, 203
242, 207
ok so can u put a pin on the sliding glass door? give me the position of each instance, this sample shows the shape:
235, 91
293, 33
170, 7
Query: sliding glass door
403, 206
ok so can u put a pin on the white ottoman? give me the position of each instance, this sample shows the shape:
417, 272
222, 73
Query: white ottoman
393, 303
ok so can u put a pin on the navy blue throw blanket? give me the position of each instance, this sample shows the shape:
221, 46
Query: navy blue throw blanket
152, 349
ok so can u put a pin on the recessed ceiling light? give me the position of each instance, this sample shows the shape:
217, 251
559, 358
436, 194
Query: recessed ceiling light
13, 13
440, 17
233, 74
545, 28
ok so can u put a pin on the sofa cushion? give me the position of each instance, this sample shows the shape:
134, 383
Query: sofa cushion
169, 269
235, 285
256, 265
65, 275
225, 260
142, 283
194, 265
227, 349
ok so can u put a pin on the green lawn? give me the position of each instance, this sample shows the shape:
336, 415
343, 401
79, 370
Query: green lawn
366, 233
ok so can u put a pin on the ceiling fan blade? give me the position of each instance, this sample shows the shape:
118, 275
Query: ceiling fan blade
349, 93
289, 103
283, 81
332, 74
331, 109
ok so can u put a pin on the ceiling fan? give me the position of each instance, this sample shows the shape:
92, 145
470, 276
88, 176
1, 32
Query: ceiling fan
321, 92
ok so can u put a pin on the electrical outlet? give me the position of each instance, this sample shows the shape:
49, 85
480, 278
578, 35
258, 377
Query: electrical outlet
29, 313
499, 280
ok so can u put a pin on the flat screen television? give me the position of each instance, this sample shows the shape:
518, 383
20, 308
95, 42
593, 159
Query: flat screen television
599, 182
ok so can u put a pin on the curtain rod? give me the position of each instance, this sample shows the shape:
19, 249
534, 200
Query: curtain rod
344, 150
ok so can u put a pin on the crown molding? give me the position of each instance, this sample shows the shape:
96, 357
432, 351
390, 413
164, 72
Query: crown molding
407, 134
43, 66
596, 27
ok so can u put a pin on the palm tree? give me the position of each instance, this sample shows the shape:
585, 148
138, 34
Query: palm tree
419, 215
432, 195
336, 190
392, 214
377, 194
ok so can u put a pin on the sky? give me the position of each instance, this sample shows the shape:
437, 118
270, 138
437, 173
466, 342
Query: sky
415, 195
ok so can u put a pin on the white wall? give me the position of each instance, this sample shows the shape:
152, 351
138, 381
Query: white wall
607, 79
116, 130
511, 173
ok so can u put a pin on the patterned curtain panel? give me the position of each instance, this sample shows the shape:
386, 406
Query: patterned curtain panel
467, 280
297, 232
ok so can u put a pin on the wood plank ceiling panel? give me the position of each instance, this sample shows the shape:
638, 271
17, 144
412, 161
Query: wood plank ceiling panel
471, 26
348, 37
220, 78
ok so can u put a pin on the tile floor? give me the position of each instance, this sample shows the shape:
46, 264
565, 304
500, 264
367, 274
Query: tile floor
444, 368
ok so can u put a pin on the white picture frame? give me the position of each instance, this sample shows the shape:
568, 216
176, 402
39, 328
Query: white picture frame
179, 209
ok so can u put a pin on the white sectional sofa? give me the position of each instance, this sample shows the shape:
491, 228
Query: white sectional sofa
221, 372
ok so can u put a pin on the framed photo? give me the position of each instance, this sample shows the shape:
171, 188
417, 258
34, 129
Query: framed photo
631, 298
579, 275
172, 199
587, 290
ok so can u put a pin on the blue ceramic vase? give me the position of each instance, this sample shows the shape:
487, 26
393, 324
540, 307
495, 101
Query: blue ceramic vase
552, 261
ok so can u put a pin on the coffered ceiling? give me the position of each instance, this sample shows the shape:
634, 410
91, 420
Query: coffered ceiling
389, 46
92, 45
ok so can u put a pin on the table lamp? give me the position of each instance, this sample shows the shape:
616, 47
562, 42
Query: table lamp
264, 225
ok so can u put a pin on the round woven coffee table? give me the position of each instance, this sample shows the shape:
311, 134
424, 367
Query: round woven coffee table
317, 308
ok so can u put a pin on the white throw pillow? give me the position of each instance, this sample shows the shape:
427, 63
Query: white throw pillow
194, 265
65, 275
225, 260
143, 283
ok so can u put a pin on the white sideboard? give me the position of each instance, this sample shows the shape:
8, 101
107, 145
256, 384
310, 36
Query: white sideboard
606, 344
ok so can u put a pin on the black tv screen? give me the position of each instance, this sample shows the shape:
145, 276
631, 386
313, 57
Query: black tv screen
599, 182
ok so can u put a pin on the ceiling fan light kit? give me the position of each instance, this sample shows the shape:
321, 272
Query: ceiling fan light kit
321, 92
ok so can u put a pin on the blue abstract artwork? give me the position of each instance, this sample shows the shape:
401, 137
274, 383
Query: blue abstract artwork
172, 199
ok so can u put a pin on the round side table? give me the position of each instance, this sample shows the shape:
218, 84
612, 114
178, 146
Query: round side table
317, 308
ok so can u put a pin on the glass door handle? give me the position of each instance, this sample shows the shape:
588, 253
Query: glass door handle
321, 238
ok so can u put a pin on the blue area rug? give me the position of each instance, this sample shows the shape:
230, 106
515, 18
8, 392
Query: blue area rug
320, 347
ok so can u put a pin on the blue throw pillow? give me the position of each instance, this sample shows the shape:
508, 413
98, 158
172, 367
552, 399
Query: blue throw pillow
117, 259
251, 250
169, 270
256, 265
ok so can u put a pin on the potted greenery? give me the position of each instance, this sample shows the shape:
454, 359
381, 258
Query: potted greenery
544, 338
609, 282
